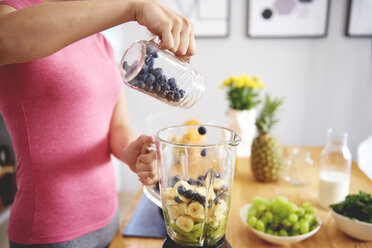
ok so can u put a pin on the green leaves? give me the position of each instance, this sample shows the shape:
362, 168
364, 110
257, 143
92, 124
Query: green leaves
244, 98
357, 206
267, 118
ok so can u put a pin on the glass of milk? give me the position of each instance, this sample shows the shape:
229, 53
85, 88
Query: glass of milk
335, 165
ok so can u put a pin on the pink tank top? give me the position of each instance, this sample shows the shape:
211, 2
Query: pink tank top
58, 111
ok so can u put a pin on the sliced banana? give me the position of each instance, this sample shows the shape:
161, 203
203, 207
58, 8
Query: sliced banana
220, 210
185, 223
174, 211
171, 202
218, 184
169, 194
195, 209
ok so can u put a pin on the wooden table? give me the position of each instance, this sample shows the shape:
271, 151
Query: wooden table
245, 188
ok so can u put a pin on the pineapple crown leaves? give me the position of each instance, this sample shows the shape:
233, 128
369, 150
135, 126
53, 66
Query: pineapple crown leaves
267, 119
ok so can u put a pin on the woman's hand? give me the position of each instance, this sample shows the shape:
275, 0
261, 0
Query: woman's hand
141, 160
175, 31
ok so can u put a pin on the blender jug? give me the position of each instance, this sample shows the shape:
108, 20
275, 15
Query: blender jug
196, 169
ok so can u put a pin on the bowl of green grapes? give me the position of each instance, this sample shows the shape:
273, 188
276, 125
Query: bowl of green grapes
280, 221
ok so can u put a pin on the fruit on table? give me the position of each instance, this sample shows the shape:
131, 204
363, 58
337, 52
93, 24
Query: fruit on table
281, 217
267, 153
153, 79
190, 215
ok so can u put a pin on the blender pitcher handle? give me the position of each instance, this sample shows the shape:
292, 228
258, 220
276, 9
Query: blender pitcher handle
149, 191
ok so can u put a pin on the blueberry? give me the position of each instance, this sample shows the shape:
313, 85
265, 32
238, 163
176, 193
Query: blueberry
164, 78
170, 96
201, 177
140, 85
202, 130
203, 152
191, 181
174, 180
155, 54
177, 96
149, 61
189, 194
165, 87
216, 200
182, 92
148, 87
200, 182
156, 87
202, 200
150, 49
172, 81
162, 94
172, 87
149, 79
196, 197
181, 190
177, 199
158, 72
140, 77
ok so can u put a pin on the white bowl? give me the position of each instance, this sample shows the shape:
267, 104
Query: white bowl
357, 229
278, 240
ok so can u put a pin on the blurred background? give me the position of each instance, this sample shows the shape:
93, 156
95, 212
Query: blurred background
326, 82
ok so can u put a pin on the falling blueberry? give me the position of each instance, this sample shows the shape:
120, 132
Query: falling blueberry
155, 54
202, 130
203, 152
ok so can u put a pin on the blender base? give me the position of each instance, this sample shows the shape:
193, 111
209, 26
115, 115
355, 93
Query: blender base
169, 243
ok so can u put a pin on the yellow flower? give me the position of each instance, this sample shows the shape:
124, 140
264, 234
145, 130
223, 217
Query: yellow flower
243, 81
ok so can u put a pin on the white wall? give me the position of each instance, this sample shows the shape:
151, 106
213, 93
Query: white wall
327, 82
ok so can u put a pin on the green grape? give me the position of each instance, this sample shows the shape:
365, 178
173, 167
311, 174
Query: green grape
283, 232
292, 207
293, 217
304, 227
281, 217
296, 226
300, 211
260, 226
306, 205
252, 221
261, 208
269, 216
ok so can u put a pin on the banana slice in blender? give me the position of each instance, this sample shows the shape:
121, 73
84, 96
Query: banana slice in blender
218, 184
220, 210
201, 190
169, 194
185, 223
174, 211
195, 209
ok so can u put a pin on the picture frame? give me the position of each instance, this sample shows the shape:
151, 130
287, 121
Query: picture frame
287, 18
211, 18
359, 19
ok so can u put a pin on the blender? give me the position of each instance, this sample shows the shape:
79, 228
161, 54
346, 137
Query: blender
196, 168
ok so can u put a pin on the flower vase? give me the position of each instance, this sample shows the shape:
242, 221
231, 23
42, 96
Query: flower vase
243, 122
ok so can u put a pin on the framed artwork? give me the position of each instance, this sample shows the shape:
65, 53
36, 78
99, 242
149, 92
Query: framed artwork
287, 18
359, 20
211, 18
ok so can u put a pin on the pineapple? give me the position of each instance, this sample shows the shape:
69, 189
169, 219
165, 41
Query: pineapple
267, 153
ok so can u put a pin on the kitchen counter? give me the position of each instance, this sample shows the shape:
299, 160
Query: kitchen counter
245, 188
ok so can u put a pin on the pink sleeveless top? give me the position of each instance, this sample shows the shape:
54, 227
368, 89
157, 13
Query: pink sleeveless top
58, 111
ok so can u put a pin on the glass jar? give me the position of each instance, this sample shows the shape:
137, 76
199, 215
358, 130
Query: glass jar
335, 166
158, 73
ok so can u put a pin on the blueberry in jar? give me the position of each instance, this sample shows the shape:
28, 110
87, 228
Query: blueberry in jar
189, 194
203, 152
149, 79
181, 190
157, 72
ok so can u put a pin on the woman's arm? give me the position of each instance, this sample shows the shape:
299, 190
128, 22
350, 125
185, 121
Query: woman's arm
126, 148
40, 30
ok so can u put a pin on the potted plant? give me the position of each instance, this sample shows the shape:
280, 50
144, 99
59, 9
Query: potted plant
243, 95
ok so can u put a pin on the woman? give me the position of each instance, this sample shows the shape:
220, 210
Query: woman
65, 109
